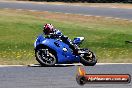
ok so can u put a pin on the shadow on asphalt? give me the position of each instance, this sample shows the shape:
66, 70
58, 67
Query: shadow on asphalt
57, 65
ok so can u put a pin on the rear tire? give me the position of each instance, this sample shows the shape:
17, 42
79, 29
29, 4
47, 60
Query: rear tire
89, 59
45, 56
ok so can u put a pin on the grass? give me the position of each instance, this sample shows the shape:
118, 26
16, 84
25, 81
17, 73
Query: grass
106, 37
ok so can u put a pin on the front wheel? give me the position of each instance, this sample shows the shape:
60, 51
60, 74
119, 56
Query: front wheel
45, 57
89, 59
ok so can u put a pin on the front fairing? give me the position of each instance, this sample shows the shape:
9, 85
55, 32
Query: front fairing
39, 40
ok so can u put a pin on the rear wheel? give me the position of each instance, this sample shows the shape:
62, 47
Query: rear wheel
45, 57
89, 59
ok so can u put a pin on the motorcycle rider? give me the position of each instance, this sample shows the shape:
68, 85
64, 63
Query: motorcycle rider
50, 31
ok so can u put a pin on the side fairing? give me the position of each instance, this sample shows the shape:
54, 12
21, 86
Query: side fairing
64, 53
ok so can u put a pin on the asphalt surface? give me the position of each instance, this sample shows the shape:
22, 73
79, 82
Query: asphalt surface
57, 77
84, 10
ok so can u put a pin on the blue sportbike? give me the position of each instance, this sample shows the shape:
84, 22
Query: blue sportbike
50, 51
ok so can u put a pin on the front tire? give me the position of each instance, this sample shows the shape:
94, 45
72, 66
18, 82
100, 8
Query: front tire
45, 56
89, 59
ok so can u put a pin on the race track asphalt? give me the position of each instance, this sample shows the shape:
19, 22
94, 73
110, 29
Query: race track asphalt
58, 77
84, 10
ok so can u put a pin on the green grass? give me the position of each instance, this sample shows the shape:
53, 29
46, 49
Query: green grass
106, 37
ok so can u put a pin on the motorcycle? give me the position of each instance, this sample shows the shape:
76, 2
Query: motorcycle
50, 51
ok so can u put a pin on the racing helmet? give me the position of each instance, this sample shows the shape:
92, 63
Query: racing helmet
48, 28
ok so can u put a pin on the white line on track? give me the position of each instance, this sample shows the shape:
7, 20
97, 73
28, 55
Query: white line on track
11, 65
75, 64
112, 63
79, 64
